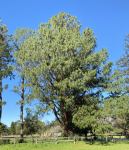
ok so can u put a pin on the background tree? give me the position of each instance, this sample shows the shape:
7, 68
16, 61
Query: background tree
3, 129
13, 128
19, 37
64, 69
117, 108
123, 66
5, 60
117, 102
32, 124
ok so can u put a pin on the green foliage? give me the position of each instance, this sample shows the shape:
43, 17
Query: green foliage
64, 70
85, 117
32, 125
15, 128
4, 141
118, 109
117, 103
20, 36
123, 65
5, 52
3, 129
5, 59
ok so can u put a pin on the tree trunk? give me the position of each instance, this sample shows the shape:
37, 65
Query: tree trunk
67, 121
66, 130
22, 110
1, 99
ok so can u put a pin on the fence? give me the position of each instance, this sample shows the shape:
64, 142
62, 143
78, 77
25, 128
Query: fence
38, 139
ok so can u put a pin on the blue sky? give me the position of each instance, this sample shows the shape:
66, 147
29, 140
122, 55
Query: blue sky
109, 20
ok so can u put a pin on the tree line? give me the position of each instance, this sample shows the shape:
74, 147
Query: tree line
59, 66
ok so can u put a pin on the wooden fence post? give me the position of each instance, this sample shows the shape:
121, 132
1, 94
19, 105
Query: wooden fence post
36, 141
14, 141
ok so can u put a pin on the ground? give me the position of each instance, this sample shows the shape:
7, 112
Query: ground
66, 146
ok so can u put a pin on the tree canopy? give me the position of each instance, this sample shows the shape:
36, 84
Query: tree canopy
64, 69
5, 59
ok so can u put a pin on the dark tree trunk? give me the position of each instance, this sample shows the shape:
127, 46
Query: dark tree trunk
22, 110
66, 130
1, 100
66, 119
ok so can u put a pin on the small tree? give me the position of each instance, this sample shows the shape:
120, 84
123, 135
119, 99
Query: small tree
32, 124
13, 128
20, 36
3, 129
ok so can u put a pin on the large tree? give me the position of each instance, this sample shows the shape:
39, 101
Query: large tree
64, 69
5, 59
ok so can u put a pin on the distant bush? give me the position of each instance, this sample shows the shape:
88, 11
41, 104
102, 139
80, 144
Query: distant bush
4, 141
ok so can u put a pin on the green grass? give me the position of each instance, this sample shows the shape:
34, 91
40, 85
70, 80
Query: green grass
66, 146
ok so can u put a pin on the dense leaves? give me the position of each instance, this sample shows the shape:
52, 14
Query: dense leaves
58, 65
63, 67
5, 59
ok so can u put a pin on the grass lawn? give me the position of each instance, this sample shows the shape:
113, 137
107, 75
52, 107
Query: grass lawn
66, 146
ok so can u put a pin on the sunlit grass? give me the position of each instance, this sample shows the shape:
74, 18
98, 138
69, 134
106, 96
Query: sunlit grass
66, 146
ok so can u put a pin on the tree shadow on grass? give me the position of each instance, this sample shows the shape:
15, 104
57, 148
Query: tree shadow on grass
105, 143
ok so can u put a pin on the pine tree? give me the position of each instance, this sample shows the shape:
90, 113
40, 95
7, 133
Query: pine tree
117, 101
64, 69
123, 65
5, 60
